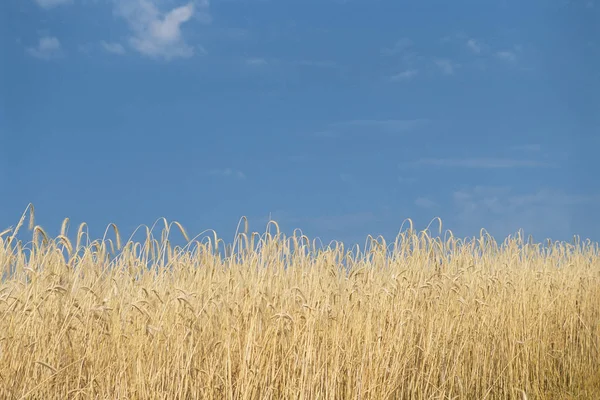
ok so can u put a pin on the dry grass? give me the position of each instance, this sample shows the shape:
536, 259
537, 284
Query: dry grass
279, 318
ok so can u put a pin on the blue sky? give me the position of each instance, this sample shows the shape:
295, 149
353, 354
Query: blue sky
341, 118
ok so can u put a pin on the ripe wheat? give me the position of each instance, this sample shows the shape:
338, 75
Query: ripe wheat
276, 317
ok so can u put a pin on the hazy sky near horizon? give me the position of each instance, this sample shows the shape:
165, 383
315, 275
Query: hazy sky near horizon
338, 117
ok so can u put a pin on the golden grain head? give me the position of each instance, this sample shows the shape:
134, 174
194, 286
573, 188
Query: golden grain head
287, 317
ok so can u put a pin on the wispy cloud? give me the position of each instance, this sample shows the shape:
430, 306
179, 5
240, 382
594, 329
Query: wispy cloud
489, 163
507, 55
52, 3
481, 48
158, 34
406, 60
456, 37
399, 47
316, 64
227, 172
48, 47
501, 211
413, 63
446, 66
475, 46
552, 197
404, 75
86, 48
372, 126
425, 202
114, 48
256, 61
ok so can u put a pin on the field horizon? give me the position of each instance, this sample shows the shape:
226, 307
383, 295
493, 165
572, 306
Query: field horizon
276, 316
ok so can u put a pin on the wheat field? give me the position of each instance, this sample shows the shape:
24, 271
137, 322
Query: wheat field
276, 317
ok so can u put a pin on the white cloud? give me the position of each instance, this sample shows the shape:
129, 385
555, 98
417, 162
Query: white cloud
489, 163
480, 47
475, 46
85, 48
115, 48
371, 126
506, 55
405, 75
446, 66
256, 61
48, 47
425, 202
542, 213
51, 3
399, 47
157, 34
316, 64
228, 172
